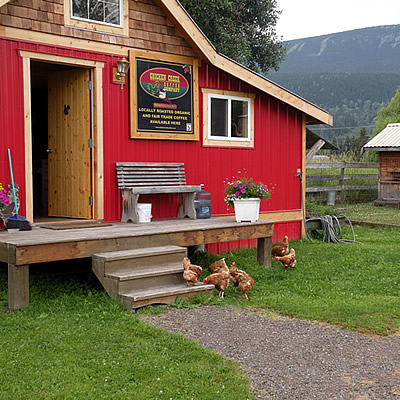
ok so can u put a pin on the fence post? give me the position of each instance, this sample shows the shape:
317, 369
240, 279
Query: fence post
330, 198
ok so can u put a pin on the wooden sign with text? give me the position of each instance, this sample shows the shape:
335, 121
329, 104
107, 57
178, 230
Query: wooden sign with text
164, 97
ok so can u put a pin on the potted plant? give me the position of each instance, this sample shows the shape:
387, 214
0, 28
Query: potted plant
4, 204
245, 195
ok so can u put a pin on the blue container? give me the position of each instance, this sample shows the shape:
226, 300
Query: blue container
202, 204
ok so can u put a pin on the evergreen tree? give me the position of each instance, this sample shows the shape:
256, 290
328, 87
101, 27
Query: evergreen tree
389, 114
243, 30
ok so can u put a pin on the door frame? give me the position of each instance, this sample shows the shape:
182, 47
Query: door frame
96, 68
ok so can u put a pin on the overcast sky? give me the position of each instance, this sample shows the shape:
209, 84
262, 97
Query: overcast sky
307, 18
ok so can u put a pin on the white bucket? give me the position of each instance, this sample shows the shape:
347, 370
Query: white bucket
144, 211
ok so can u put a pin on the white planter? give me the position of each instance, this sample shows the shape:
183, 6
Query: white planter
247, 210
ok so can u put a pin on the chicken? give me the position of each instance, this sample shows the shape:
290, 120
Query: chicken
288, 260
197, 269
234, 274
281, 248
246, 283
191, 273
220, 280
242, 279
218, 266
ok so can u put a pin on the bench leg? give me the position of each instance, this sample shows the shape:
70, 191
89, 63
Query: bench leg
264, 247
18, 286
129, 207
186, 206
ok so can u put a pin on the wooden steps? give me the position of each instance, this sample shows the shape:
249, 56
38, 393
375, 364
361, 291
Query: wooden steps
139, 277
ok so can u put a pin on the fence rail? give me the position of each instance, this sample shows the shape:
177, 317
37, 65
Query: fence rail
342, 181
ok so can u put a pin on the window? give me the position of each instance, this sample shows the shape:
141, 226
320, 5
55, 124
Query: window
228, 118
100, 11
105, 16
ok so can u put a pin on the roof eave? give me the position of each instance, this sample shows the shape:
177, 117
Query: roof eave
381, 148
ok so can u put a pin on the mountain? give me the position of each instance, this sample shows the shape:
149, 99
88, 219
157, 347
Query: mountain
375, 49
349, 74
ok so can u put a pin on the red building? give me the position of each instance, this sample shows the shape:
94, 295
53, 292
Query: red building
67, 119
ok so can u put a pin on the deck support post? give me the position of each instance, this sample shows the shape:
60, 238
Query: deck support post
18, 286
264, 247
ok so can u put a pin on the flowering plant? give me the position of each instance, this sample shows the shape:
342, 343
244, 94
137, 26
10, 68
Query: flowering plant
243, 187
4, 201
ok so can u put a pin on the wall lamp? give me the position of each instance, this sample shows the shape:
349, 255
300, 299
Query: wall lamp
120, 71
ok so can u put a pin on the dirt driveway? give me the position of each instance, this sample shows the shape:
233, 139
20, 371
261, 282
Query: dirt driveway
289, 359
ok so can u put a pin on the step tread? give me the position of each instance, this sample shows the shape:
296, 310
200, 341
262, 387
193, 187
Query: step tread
145, 272
142, 252
170, 290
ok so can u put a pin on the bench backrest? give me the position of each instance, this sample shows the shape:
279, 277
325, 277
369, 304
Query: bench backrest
139, 174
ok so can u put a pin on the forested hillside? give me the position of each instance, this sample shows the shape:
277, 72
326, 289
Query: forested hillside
375, 49
352, 98
349, 74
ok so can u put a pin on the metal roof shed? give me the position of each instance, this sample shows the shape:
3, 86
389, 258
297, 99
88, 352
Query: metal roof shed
387, 144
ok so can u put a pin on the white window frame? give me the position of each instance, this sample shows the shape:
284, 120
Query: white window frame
104, 27
121, 17
208, 139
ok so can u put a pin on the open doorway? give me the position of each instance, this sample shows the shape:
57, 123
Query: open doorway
62, 142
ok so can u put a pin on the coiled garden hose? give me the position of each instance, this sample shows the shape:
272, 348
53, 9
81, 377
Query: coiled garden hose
331, 229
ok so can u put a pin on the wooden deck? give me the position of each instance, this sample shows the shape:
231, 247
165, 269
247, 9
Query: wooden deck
21, 249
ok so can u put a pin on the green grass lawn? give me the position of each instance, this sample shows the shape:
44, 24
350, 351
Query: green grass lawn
364, 212
74, 342
353, 285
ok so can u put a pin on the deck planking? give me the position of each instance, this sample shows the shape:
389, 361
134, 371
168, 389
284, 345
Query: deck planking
21, 249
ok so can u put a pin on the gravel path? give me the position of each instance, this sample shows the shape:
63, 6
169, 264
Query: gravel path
292, 359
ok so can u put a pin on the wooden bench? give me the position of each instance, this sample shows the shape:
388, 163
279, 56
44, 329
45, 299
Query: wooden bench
136, 178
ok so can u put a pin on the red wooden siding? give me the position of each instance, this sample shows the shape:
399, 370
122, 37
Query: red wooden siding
274, 160
11, 117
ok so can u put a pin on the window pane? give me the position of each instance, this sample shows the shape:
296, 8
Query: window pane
219, 117
79, 8
96, 9
107, 11
112, 13
239, 118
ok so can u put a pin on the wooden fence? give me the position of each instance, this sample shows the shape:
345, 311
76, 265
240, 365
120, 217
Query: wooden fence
342, 181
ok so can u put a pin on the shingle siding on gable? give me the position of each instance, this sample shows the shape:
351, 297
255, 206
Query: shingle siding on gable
149, 28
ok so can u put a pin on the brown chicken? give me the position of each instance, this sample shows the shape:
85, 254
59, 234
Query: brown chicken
218, 266
242, 279
281, 248
197, 269
191, 272
246, 283
234, 274
220, 280
288, 261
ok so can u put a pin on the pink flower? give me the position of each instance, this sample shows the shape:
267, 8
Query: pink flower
243, 190
237, 194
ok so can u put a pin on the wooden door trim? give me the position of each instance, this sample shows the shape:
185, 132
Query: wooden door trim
97, 68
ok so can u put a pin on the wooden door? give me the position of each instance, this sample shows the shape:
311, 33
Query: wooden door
69, 165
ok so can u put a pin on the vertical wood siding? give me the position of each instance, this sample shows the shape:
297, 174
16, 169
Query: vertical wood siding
11, 118
274, 159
